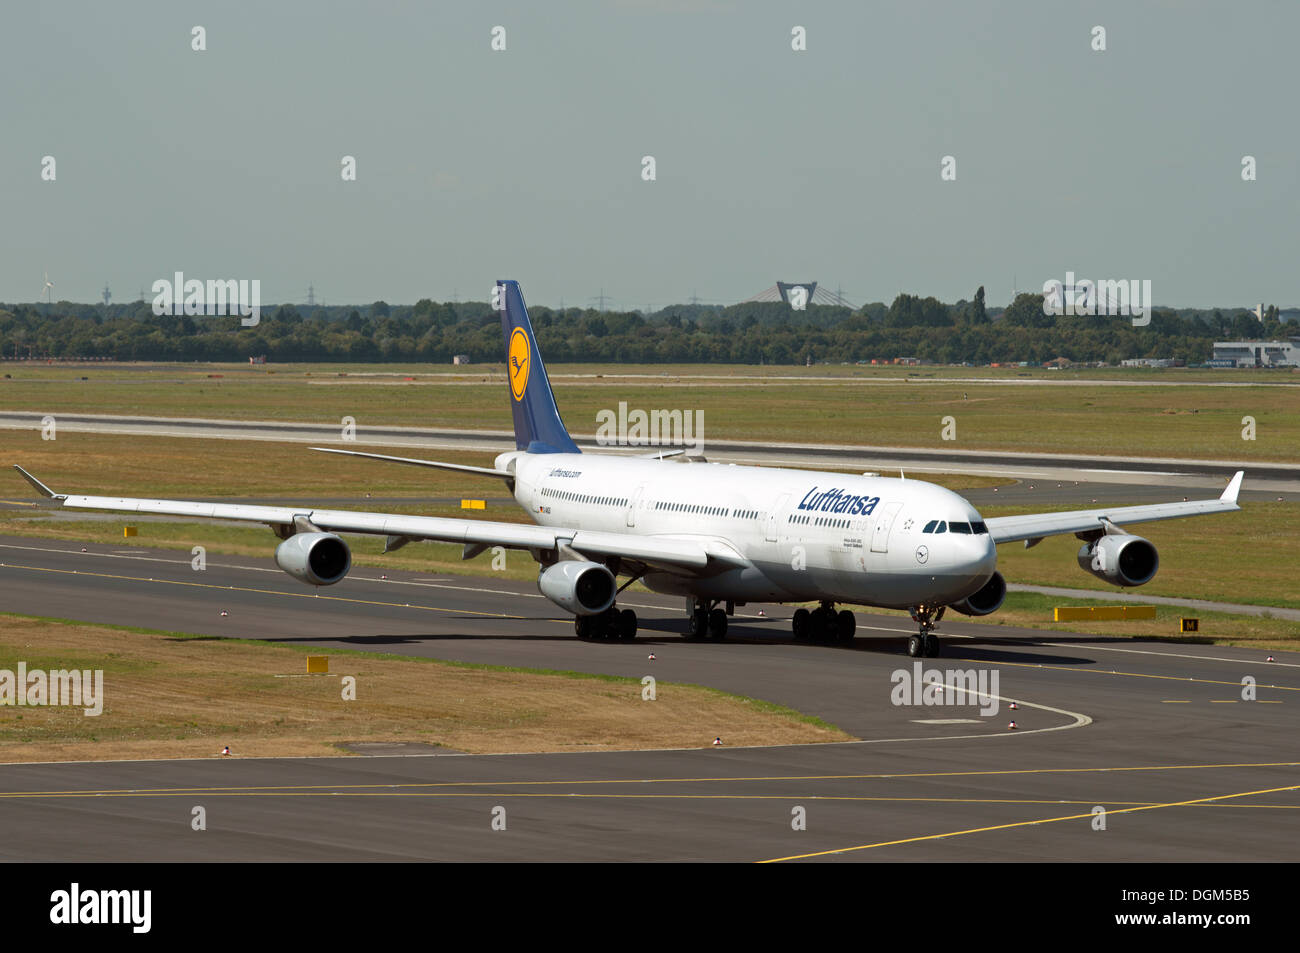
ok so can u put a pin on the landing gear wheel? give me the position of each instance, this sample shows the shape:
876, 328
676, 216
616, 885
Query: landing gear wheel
801, 624
931, 646
582, 626
627, 625
845, 625
718, 624
830, 627
609, 624
915, 646
699, 624
817, 625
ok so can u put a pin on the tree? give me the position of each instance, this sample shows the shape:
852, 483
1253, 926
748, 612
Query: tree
1027, 312
977, 312
288, 315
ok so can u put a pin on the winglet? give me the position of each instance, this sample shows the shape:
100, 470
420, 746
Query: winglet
1233, 487
41, 488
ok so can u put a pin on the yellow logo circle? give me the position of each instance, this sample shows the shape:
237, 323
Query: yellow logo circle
517, 362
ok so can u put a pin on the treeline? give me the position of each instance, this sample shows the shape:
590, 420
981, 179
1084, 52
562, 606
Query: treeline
766, 333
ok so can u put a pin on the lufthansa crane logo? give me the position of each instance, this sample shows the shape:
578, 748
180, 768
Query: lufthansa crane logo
517, 361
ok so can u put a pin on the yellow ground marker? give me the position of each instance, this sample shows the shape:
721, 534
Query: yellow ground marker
473, 504
318, 664
128, 531
1044, 820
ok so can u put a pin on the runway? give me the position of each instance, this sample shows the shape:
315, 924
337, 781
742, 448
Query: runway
1157, 734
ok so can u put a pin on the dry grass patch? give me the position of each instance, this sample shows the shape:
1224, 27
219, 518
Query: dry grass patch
169, 695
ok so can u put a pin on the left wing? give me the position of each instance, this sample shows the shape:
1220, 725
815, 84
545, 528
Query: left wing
1033, 527
695, 554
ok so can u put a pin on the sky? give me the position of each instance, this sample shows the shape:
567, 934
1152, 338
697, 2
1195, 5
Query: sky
770, 163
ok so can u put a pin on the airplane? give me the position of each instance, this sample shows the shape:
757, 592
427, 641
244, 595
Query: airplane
719, 535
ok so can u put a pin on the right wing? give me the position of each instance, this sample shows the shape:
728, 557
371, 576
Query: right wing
1033, 527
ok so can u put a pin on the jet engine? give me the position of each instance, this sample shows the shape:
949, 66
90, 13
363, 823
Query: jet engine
583, 588
320, 559
987, 600
1121, 559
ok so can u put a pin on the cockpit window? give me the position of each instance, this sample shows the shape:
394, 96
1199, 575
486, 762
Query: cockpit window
957, 527
929, 527
981, 528
942, 527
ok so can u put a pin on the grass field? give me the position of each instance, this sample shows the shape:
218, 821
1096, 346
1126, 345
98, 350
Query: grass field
172, 695
1064, 412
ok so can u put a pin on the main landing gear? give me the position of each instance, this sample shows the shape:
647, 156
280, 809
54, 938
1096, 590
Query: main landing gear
824, 624
613, 624
925, 643
706, 620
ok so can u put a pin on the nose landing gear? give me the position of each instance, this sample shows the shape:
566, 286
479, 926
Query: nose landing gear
925, 643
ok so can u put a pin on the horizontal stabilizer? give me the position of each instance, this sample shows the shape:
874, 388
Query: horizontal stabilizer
434, 464
661, 454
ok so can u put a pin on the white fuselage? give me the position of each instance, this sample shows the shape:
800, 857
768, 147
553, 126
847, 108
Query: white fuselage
802, 535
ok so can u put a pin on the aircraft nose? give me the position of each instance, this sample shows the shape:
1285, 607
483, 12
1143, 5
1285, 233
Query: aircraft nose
978, 555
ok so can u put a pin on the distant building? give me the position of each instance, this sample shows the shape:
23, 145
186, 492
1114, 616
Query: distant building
260, 359
460, 359
1258, 353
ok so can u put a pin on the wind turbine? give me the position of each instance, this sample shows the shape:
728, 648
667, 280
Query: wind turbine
49, 287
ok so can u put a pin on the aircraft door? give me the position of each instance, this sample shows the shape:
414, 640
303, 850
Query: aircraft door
774, 516
884, 523
632, 505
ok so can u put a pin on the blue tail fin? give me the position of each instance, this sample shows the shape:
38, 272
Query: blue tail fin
538, 427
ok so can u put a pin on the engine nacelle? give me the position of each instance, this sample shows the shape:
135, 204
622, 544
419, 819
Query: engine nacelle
987, 600
582, 588
320, 559
1121, 560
